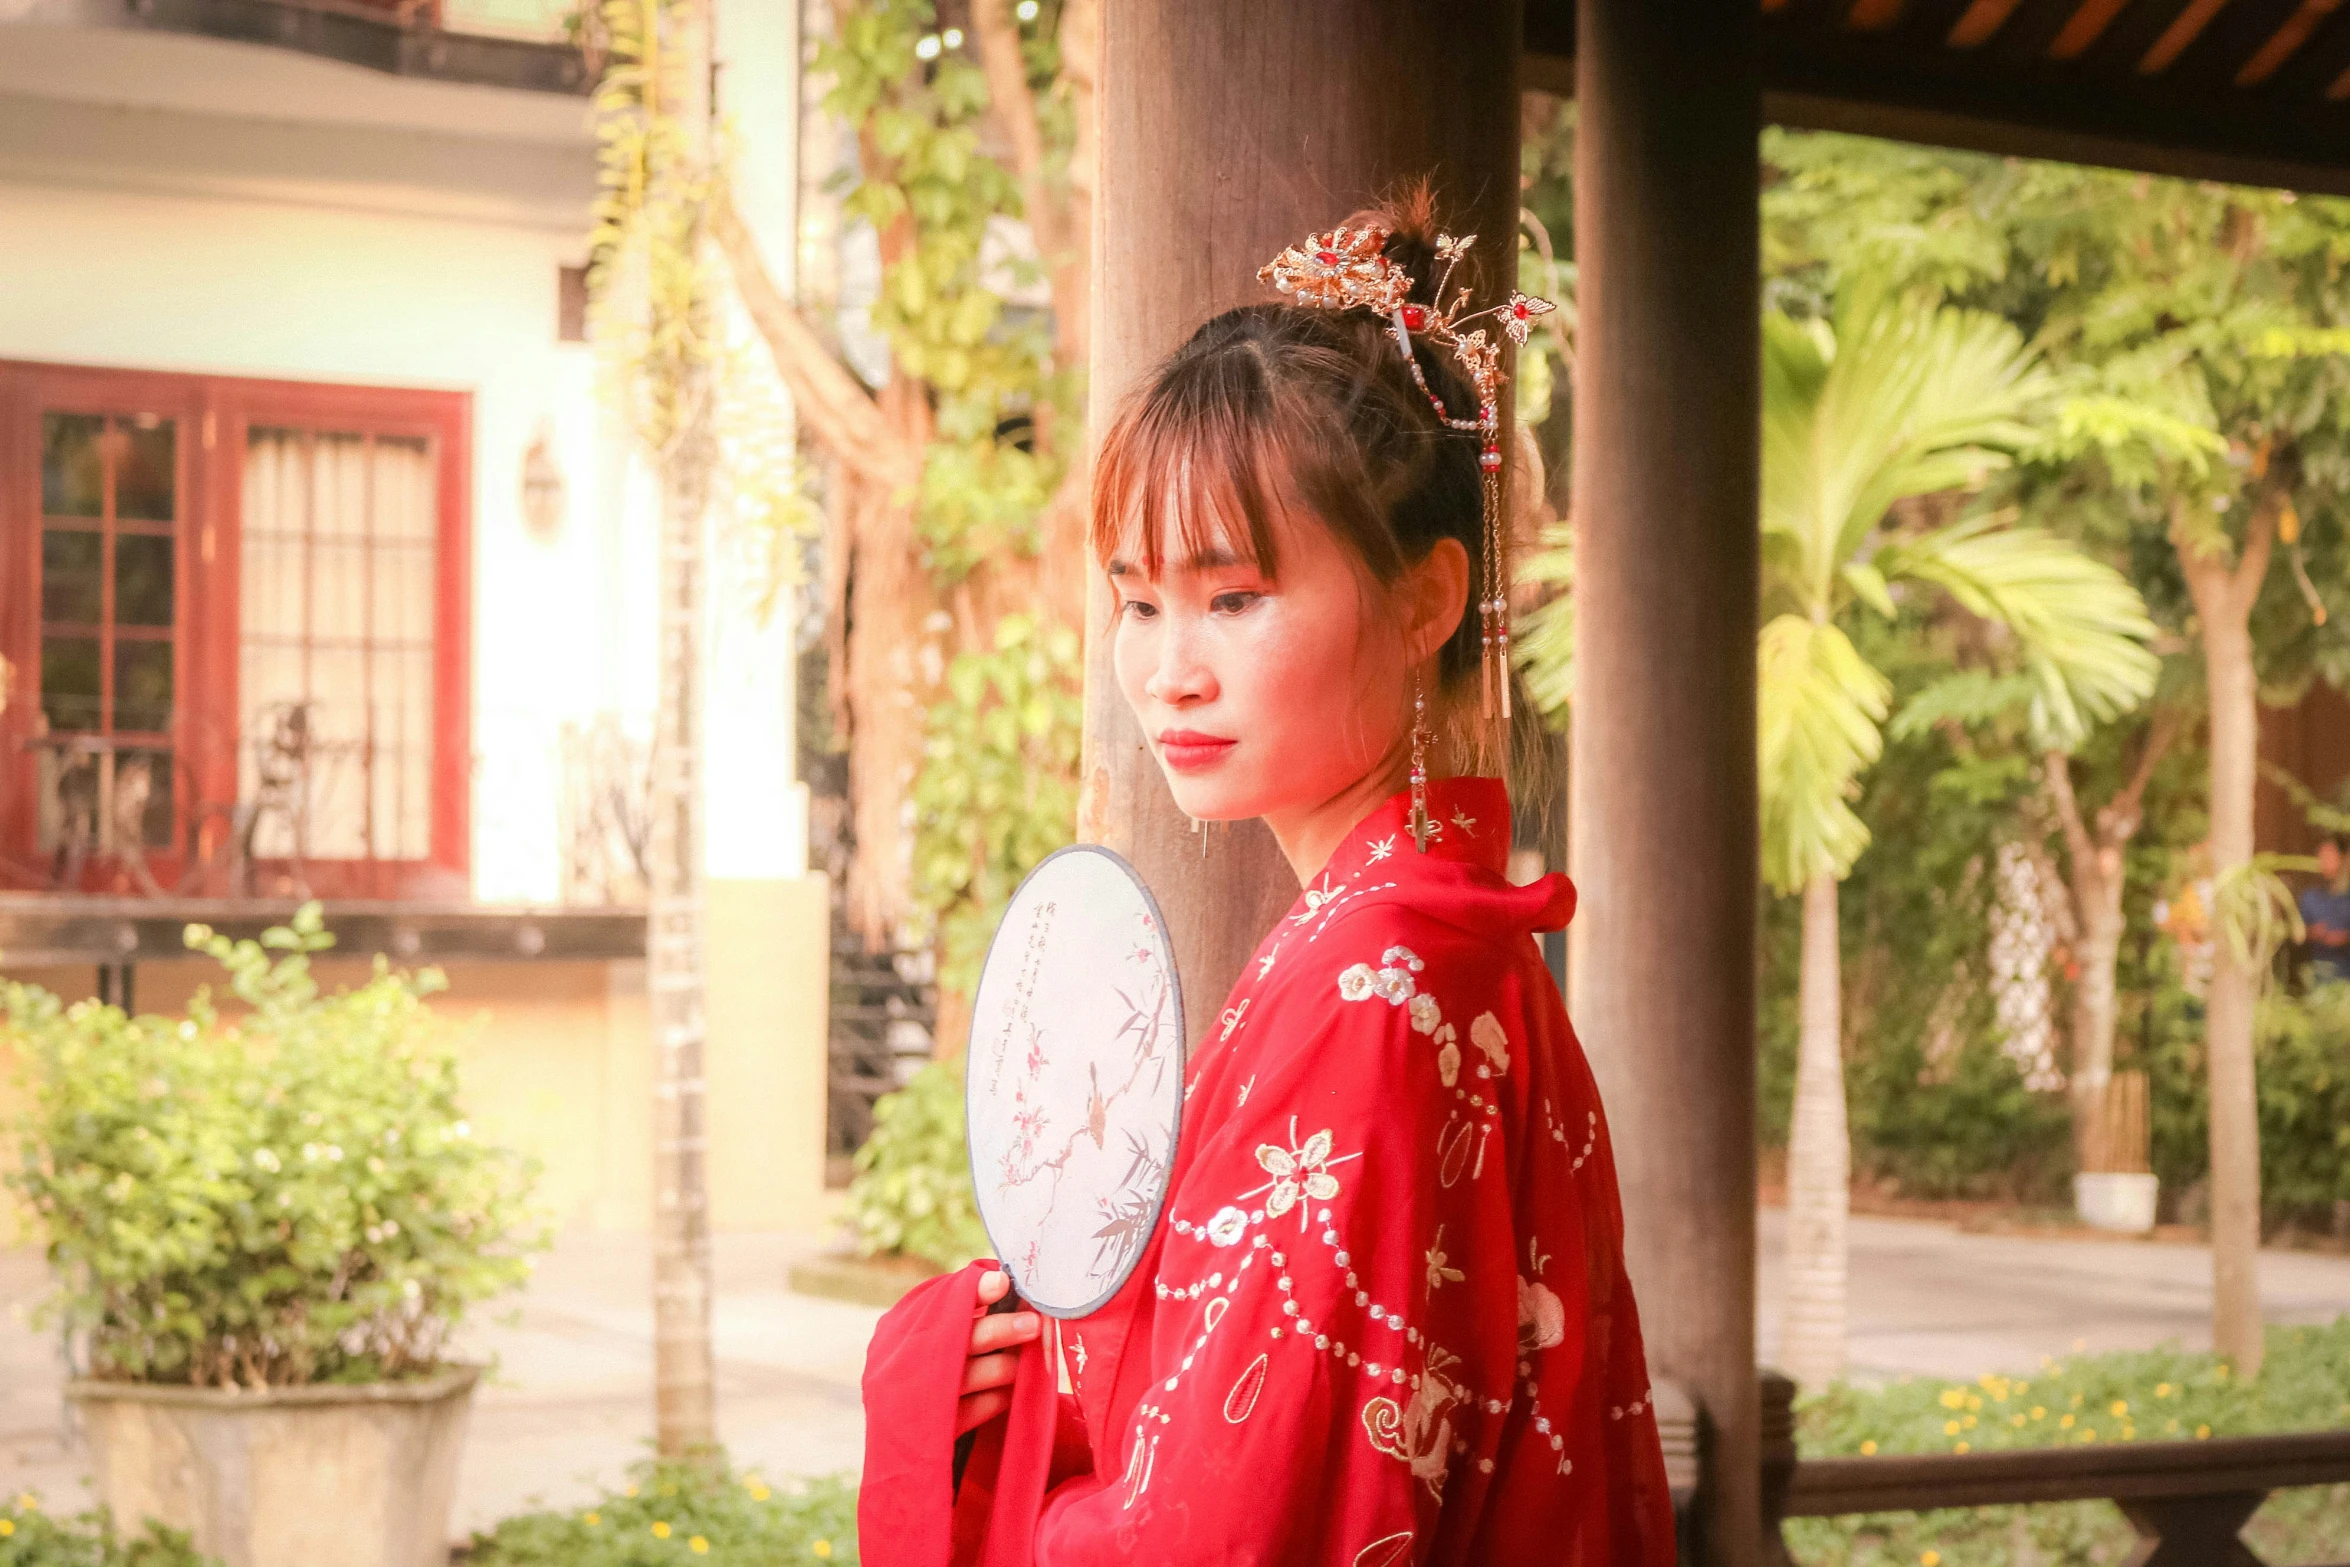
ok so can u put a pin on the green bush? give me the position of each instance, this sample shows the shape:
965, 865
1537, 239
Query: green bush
288, 1195
670, 1515
2302, 1053
911, 1196
2164, 1395
29, 1537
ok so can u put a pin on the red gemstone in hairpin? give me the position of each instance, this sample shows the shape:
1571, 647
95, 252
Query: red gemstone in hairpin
1414, 318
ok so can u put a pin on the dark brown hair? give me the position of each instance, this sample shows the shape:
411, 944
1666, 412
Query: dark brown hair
1280, 405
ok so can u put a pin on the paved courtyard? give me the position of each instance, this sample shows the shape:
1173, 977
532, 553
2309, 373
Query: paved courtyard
571, 1403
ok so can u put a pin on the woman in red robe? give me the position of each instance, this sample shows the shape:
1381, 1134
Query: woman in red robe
1384, 1317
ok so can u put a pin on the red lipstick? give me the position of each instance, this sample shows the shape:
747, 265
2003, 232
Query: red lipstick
1189, 751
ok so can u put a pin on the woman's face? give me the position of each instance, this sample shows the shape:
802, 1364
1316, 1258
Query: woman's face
1264, 696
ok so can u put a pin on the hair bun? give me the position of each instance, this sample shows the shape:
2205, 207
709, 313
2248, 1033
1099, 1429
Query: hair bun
1410, 220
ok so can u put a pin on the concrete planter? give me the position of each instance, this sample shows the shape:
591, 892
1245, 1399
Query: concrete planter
2121, 1203
288, 1477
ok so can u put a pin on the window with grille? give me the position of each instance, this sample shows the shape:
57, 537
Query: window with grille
239, 640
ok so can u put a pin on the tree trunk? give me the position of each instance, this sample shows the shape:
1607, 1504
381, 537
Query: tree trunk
1819, 1158
685, 1421
2235, 1127
2097, 909
2224, 593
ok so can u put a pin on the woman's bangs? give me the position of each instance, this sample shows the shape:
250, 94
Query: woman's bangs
1185, 485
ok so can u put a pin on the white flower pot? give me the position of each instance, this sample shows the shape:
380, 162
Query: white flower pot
360, 1476
2121, 1203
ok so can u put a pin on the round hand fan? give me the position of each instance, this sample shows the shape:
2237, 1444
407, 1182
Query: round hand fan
1075, 1079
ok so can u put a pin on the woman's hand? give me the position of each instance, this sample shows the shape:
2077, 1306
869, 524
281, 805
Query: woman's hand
995, 1355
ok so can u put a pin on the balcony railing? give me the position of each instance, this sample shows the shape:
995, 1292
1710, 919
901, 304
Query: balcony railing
422, 38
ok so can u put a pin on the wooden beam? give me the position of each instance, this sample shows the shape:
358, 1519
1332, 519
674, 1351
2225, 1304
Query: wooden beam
2129, 1471
1229, 129
1662, 759
2096, 110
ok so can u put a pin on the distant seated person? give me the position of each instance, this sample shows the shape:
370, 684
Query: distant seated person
2325, 909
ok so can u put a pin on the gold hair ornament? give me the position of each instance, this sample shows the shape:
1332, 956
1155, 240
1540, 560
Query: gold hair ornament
1348, 269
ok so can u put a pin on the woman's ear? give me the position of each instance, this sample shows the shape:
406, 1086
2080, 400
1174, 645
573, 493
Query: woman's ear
1435, 596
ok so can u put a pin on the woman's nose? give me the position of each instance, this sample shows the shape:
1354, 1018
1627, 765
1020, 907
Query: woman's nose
1180, 677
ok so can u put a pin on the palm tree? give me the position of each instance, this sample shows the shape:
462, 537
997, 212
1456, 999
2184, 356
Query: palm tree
651, 284
1895, 398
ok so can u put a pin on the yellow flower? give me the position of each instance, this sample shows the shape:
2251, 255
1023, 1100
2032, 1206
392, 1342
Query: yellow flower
698, 1545
2039, 1411
1950, 1428
27, 1502
821, 1548
2162, 1390
2129, 1432
660, 1531
1960, 1448
2202, 1433
7, 1527
759, 1493
1970, 1422
2121, 1406
1868, 1449
2089, 1434
1953, 1398
2016, 1420
2077, 1400
2066, 1422
1930, 1559
1972, 1402
630, 1491
2021, 1388
2221, 1371
594, 1519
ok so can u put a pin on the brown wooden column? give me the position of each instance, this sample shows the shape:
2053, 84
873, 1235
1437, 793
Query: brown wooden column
1230, 128
1662, 767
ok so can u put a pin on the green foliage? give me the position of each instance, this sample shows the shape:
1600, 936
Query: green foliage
1893, 398
289, 1194
685, 1515
996, 790
29, 1537
2301, 1050
2154, 1395
648, 281
911, 1196
999, 788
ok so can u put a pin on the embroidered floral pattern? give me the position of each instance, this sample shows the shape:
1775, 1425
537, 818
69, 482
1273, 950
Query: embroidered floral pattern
1486, 1035
1228, 1226
1298, 1171
1439, 1270
1542, 1321
1425, 1014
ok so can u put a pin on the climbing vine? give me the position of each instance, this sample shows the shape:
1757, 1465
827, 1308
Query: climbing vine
994, 786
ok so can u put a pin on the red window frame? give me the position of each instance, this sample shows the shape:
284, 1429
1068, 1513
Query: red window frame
214, 415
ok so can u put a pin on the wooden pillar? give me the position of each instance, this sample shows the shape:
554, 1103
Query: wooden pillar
1229, 129
1662, 769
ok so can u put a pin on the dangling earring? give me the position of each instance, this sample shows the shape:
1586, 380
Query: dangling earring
1421, 735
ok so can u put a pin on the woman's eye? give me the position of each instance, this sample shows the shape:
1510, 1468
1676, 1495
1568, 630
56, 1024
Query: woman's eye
1232, 603
1137, 609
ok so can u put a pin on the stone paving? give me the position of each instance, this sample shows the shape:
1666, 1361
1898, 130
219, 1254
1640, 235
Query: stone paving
571, 1403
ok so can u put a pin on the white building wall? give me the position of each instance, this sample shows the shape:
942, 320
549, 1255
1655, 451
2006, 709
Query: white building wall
186, 205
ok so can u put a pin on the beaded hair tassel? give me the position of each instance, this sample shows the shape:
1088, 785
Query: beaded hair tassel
1347, 269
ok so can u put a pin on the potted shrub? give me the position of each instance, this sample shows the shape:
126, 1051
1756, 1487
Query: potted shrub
264, 1220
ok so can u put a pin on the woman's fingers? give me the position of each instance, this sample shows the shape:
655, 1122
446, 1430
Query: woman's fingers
978, 1409
992, 1333
985, 1371
994, 1286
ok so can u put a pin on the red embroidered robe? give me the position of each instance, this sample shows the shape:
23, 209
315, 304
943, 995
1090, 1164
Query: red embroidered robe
1384, 1318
